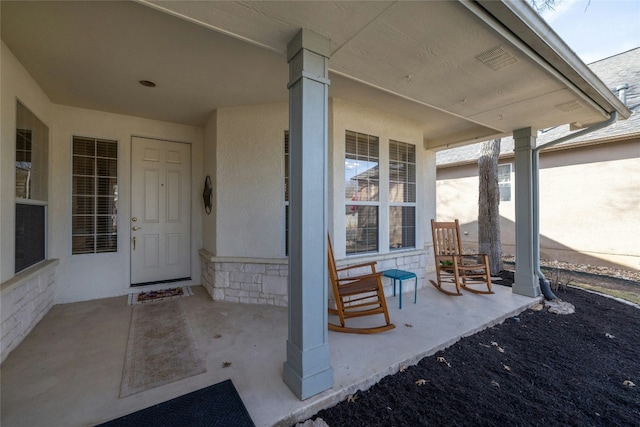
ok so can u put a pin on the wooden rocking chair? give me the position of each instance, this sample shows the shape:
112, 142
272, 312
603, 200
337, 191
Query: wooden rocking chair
356, 296
452, 267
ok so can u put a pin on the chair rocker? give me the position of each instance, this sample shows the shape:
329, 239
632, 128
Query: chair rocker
357, 296
454, 267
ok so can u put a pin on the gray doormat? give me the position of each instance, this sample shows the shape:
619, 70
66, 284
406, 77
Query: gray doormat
217, 405
161, 348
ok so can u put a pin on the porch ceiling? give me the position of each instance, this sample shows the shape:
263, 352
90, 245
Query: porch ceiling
452, 65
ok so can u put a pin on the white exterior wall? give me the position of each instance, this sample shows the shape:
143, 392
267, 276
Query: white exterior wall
245, 260
348, 116
90, 276
209, 227
28, 296
16, 84
82, 277
249, 203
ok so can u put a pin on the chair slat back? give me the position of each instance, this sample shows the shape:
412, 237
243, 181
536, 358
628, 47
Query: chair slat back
446, 238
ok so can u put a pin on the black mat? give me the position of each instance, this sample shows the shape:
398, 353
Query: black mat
217, 405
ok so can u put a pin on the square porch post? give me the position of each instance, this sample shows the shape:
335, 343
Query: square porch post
307, 370
525, 281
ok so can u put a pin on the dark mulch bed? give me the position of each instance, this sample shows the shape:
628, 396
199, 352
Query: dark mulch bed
536, 369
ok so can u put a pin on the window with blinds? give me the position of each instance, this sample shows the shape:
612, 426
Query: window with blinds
362, 185
402, 195
94, 196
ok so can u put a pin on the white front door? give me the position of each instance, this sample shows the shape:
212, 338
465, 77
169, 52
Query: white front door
160, 211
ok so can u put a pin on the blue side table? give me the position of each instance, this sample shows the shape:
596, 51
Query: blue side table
400, 275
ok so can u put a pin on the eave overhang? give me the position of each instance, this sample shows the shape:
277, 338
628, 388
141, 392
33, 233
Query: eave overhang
465, 71
519, 18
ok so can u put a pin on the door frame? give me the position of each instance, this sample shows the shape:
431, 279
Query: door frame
160, 284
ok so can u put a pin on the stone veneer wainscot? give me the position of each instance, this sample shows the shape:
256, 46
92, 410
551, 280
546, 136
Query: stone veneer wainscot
264, 281
25, 299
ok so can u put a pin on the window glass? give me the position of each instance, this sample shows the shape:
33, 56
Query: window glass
402, 227
361, 167
362, 229
32, 156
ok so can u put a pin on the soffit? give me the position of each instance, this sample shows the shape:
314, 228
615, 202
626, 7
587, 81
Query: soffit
415, 59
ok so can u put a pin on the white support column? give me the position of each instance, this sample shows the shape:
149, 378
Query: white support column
307, 370
526, 280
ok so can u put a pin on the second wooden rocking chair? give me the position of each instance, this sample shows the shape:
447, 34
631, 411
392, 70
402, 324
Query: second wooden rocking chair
356, 296
454, 267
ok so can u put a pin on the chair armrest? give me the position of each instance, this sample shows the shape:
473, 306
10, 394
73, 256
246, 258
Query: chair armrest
360, 277
371, 264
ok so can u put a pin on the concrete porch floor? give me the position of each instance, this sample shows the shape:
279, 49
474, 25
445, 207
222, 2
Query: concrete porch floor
67, 372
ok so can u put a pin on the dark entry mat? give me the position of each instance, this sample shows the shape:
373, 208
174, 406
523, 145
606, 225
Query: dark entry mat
218, 405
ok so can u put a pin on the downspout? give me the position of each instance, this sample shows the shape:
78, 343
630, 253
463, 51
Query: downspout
544, 283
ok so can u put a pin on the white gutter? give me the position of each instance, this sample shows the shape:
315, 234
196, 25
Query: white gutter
544, 283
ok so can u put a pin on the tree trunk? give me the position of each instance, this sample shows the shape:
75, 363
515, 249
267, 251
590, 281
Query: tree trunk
488, 205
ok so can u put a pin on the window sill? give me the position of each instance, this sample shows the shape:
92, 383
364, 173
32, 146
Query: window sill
26, 275
383, 256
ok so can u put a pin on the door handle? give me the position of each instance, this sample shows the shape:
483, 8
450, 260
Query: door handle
135, 228
134, 243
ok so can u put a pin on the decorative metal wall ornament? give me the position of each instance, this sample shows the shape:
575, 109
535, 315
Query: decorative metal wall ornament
207, 195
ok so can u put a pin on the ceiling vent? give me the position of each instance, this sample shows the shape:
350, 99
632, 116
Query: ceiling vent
497, 58
569, 106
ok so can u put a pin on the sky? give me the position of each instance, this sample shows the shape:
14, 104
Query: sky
596, 29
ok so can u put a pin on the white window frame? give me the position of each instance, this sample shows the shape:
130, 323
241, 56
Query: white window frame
353, 162
35, 161
505, 185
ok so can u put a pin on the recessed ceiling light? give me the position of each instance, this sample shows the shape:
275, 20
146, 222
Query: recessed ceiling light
147, 83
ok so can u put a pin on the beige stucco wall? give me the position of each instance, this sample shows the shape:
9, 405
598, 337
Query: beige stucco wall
589, 204
457, 197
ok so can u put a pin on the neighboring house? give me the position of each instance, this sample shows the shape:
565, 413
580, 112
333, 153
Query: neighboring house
589, 186
280, 104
